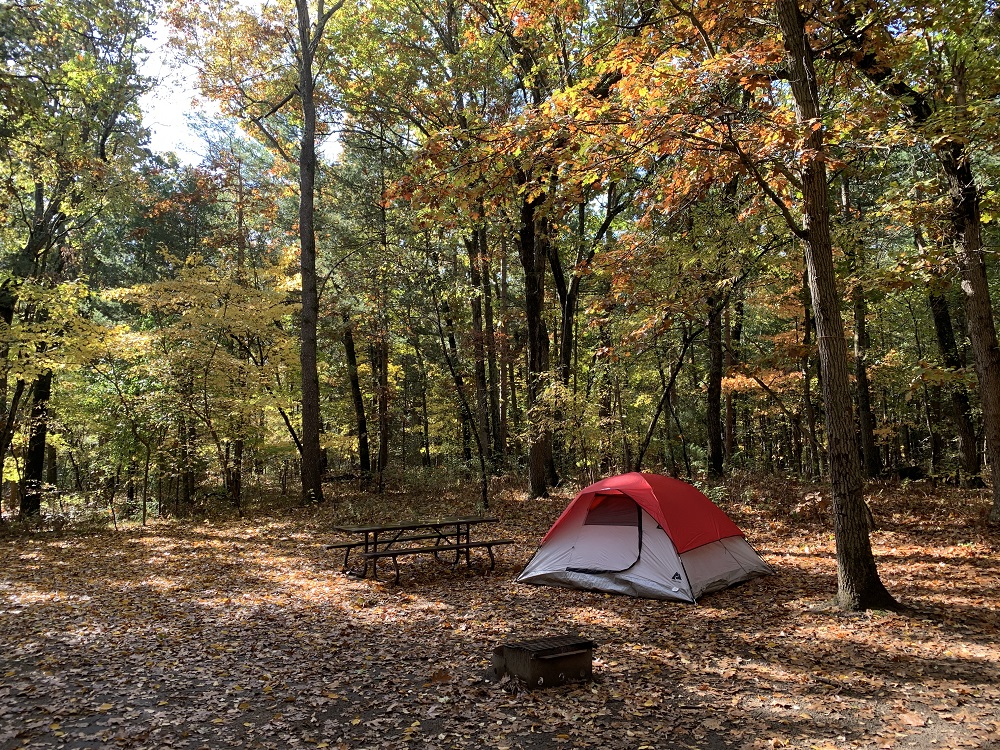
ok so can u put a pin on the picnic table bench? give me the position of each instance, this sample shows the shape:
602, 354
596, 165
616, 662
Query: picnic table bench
395, 540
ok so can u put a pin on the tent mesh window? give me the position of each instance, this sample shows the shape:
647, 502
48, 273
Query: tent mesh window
613, 510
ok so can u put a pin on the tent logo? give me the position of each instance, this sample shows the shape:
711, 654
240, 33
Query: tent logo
675, 577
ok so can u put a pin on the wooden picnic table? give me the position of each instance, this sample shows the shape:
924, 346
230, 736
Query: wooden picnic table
432, 536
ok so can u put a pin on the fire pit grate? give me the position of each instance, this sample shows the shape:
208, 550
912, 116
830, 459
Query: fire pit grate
545, 662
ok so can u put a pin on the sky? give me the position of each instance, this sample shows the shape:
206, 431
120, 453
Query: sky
166, 106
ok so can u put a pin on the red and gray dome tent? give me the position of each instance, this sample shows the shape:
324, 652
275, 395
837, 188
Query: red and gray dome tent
644, 535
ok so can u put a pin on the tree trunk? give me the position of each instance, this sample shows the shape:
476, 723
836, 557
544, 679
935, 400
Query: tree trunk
961, 410
358, 399
473, 247
713, 410
734, 334
463, 402
932, 413
859, 586
967, 229
866, 421
236, 489
380, 363
533, 252
667, 385
425, 427
496, 432
451, 351
34, 459
508, 399
51, 467
815, 465
312, 481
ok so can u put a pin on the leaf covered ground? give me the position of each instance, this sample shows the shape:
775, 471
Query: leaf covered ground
245, 634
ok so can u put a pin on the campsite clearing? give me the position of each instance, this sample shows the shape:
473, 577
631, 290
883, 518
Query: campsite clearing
245, 635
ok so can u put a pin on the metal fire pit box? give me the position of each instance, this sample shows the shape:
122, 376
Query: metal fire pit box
545, 662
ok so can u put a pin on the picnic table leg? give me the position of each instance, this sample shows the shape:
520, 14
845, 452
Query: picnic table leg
372, 560
468, 541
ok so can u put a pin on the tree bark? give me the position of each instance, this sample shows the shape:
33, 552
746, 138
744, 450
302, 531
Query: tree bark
967, 228
858, 584
815, 463
713, 406
312, 480
380, 364
496, 439
34, 459
533, 253
358, 399
508, 399
733, 332
482, 411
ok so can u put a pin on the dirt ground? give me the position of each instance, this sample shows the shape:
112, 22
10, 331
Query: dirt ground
245, 634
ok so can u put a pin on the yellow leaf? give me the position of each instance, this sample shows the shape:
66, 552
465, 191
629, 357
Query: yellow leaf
105, 706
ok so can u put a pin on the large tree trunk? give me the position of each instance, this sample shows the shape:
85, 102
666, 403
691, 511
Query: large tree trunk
533, 252
859, 586
967, 226
312, 480
34, 459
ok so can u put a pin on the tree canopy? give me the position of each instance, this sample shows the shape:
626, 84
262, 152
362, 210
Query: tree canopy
551, 239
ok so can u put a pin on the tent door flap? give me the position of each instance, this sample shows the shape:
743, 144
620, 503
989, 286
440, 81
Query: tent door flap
612, 543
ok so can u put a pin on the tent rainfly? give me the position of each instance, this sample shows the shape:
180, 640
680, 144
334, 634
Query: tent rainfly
644, 535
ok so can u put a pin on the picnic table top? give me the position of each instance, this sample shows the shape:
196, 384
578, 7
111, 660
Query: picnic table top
435, 523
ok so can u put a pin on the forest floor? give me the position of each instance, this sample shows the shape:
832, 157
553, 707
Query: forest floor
245, 634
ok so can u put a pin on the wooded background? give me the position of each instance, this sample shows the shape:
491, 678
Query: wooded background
462, 237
